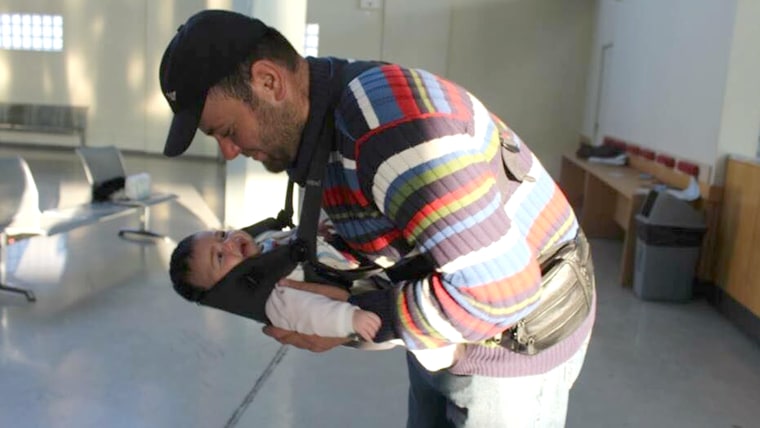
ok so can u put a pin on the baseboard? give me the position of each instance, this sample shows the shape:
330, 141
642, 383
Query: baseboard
738, 314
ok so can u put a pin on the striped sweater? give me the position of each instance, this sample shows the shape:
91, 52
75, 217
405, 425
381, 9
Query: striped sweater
414, 168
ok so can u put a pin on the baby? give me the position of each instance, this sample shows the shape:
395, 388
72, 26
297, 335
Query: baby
201, 260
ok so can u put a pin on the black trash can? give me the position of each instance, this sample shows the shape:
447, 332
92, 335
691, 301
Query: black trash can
669, 235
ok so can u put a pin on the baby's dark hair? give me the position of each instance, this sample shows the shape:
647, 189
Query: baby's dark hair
179, 269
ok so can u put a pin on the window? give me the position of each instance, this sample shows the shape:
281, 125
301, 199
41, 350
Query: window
311, 40
31, 32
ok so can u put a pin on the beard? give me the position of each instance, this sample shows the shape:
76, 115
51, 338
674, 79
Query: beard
281, 132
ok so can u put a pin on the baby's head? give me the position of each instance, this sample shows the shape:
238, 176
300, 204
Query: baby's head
202, 259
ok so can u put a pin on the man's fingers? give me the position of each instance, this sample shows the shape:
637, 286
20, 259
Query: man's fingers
277, 334
375, 319
303, 341
287, 337
365, 334
375, 327
374, 323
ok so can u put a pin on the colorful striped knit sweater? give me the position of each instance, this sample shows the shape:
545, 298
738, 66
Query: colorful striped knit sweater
414, 167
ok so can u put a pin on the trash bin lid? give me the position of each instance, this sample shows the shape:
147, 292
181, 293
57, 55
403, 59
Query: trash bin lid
662, 208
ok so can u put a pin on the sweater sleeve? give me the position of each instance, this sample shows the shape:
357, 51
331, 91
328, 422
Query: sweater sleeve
486, 275
429, 161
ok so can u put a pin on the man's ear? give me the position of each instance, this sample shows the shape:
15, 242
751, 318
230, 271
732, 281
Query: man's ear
268, 80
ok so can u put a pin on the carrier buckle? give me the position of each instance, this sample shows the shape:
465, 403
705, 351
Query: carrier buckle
494, 341
519, 340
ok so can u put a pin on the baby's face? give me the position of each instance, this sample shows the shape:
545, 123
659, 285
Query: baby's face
215, 253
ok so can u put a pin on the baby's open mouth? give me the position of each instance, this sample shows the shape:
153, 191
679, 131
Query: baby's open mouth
244, 248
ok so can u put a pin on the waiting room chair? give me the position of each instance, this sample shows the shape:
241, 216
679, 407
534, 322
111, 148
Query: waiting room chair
104, 164
20, 201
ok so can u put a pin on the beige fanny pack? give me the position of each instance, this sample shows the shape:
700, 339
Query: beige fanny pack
567, 292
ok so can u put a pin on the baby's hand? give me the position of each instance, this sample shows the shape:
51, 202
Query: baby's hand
366, 324
325, 229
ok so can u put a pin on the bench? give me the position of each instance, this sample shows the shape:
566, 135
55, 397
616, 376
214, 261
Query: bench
45, 119
21, 217
607, 198
102, 164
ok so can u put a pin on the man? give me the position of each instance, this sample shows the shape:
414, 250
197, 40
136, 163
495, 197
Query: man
415, 166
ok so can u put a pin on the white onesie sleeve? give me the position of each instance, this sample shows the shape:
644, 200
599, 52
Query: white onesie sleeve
309, 313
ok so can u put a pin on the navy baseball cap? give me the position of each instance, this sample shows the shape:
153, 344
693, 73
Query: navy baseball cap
207, 48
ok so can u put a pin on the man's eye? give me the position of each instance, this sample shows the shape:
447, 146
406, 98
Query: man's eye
224, 234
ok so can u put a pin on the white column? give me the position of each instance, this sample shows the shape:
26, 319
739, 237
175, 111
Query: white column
251, 193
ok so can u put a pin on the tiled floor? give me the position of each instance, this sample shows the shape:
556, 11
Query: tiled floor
108, 344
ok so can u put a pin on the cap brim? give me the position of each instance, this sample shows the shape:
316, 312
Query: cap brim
182, 131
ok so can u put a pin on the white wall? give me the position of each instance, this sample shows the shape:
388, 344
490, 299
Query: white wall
682, 72
412, 33
526, 59
345, 30
416, 34
667, 80
101, 66
112, 50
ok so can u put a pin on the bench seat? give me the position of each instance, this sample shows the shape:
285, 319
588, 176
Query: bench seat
21, 217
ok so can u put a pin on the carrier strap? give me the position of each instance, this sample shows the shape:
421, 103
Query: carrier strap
308, 223
285, 216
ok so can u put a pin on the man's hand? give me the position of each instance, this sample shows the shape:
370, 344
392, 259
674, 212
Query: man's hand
309, 341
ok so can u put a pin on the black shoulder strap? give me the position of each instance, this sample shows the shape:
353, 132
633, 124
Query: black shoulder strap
285, 217
312, 201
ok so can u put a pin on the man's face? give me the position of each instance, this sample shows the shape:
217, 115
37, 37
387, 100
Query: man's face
267, 133
215, 253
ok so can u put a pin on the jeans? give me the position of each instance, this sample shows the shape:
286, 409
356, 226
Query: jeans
444, 400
